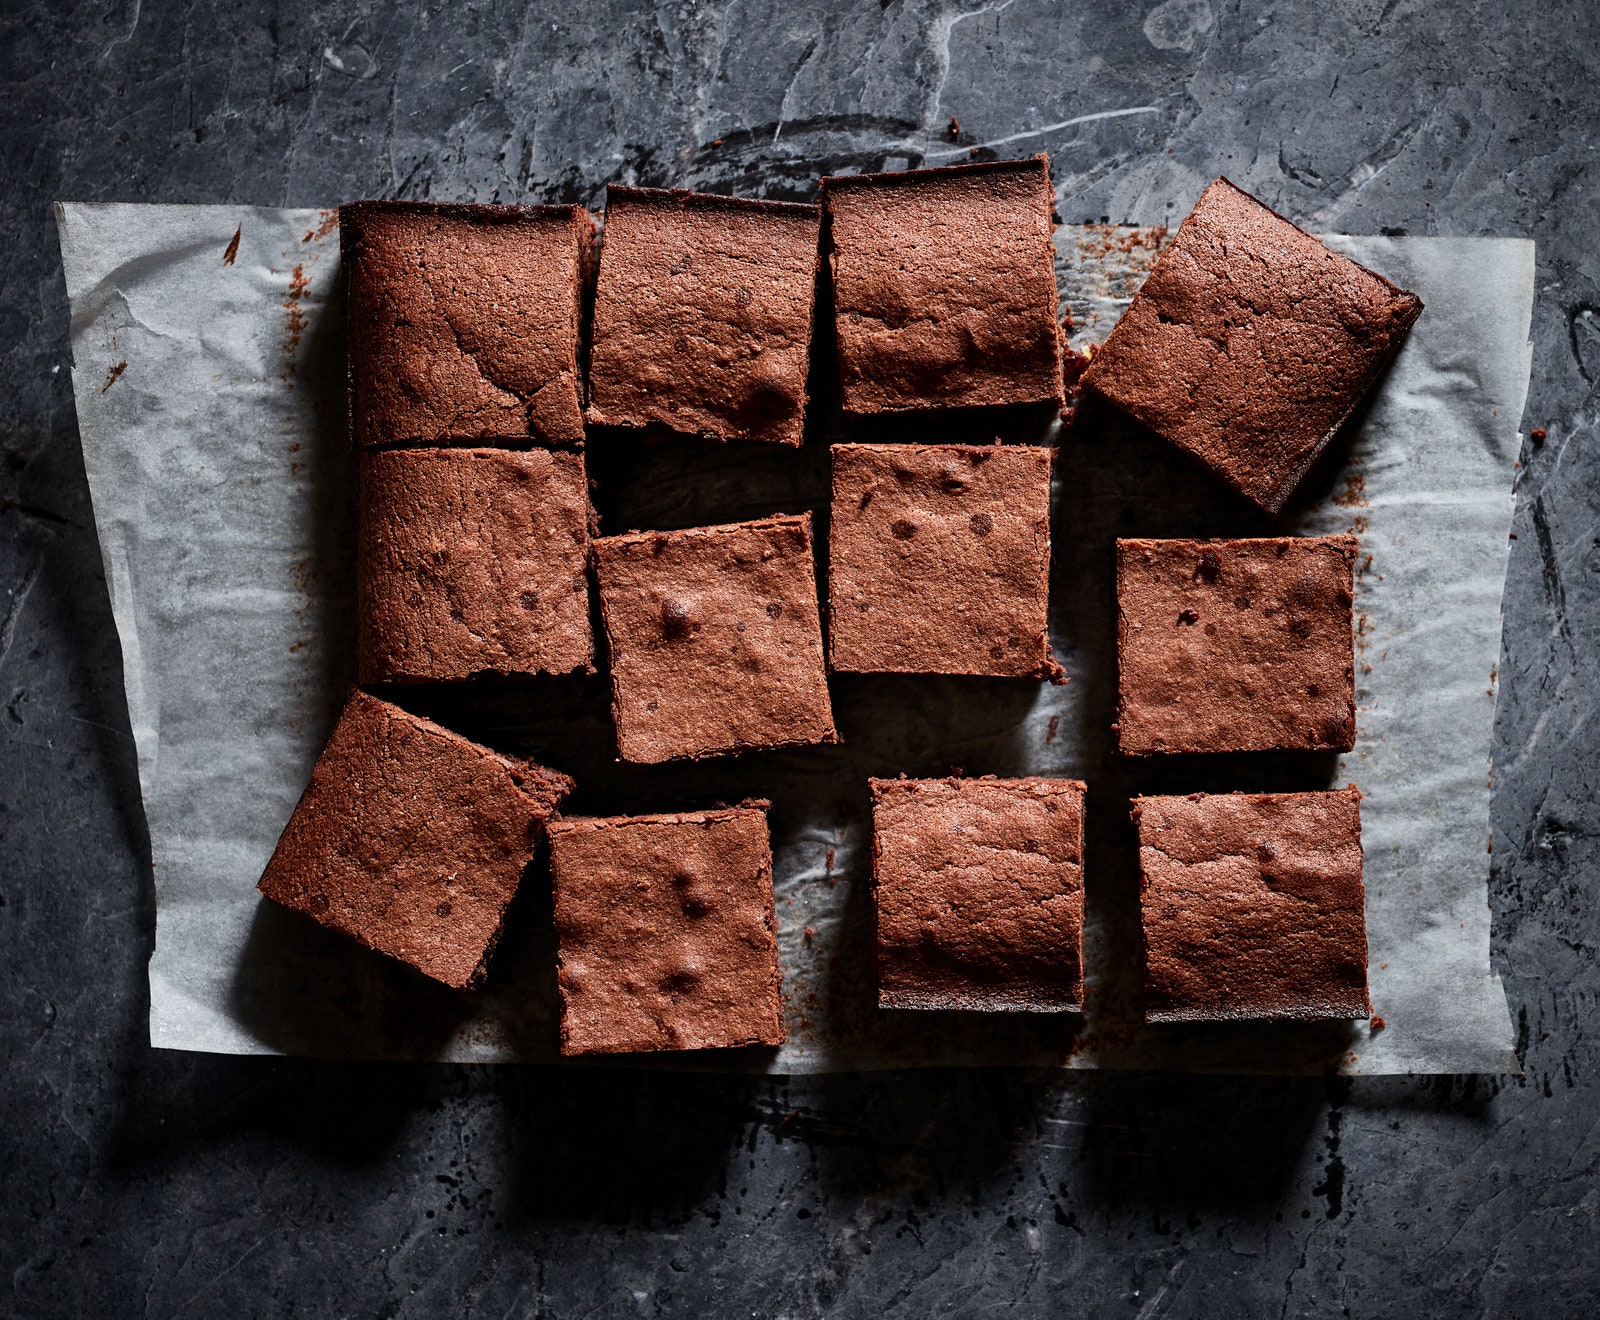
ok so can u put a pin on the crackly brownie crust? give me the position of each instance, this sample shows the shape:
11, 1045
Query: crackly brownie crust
715, 640
412, 840
1253, 906
979, 890
1235, 646
702, 316
472, 561
664, 929
1250, 344
464, 321
939, 559
944, 287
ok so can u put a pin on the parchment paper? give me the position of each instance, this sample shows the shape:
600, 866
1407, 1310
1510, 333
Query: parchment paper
208, 379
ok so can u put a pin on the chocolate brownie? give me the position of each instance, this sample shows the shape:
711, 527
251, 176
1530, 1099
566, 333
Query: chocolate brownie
473, 561
702, 314
944, 287
979, 887
939, 559
464, 321
1253, 906
1250, 344
412, 840
1236, 646
664, 932
715, 640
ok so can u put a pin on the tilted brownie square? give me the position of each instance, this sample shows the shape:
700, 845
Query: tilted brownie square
473, 561
939, 559
1236, 646
664, 932
464, 321
1253, 906
702, 314
979, 886
715, 640
412, 840
944, 287
1250, 344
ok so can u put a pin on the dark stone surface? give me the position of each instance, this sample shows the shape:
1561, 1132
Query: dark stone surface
135, 1181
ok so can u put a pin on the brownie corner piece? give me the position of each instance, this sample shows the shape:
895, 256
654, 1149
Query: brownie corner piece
939, 560
472, 561
463, 322
978, 887
1253, 906
379, 848
715, 639
703, 313
665, 932
1250, 344
1236, 645
944, 287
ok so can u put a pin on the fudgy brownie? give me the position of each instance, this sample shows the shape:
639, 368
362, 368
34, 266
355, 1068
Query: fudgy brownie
1236, 646
664, 932
412, 840
715, 640
939, 559
473, 561
979, 888
1250, 344
1253, 906
944, 287
464, 321
702, 314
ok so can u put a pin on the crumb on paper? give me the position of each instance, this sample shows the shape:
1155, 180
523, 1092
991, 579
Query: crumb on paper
113, 375
232, 250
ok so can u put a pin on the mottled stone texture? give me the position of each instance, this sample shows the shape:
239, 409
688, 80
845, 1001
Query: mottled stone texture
151, 1183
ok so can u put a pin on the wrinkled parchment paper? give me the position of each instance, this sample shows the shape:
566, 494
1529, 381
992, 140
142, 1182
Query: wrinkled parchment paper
208, 377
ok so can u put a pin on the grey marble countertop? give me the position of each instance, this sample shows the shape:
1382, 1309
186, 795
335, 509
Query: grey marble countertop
158, 1183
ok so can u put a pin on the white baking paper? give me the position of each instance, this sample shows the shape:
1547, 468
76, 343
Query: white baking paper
208, 373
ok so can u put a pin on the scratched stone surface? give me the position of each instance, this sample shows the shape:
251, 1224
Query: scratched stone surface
138, 1182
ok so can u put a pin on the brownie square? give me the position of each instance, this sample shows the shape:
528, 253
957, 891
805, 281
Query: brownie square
472, 561
939, 559
664, 932
715, 640
979, 886
412, 840
1253, 906
1250, 344
702, 314
944, 287
464, 321
1236, 646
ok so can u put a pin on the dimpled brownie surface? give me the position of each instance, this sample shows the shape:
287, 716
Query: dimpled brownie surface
1236, 646
702, 315
1253, 906
664, 928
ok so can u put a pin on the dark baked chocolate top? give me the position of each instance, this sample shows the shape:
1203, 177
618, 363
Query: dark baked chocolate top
411, 839
944, 287
715, 640
979, 893
464, 321
939, 559
664, 929
702, 316
1236, 646
1253, 906
473, 561
1250, 343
